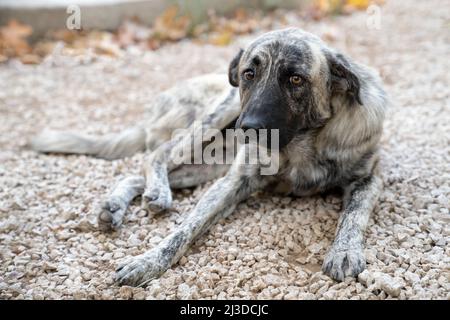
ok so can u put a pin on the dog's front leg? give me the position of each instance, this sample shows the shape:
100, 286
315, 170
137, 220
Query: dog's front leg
180, 150
218, 202
346, 256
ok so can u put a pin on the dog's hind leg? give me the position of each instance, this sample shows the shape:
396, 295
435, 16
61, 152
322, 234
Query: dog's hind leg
114, 208
170, 109
218, 202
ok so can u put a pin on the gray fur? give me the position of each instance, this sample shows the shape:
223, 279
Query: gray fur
112, 146
114, 208
331, 127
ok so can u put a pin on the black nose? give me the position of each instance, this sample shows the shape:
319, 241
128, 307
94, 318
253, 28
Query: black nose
254, 124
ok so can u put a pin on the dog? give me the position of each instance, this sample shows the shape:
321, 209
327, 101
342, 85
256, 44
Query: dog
329, 113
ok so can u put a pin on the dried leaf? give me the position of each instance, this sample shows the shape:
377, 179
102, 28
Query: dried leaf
154, 44
103, 43
30, 59
67, 36
329, 6
321, 8
170, 26
241, 15
222, 39
131, 32
359, 4
13, 41
44, 48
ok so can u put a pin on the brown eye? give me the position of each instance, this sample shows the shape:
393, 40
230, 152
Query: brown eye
295, 80
249, 75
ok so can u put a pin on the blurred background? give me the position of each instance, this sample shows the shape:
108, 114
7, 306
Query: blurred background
30, 29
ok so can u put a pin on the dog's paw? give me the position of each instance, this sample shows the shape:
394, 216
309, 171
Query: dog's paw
341, 263
111, 214
139, 270
157, 199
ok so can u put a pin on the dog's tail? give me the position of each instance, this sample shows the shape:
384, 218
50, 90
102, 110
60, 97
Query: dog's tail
112, 146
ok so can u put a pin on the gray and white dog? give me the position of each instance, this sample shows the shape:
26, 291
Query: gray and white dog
329, 112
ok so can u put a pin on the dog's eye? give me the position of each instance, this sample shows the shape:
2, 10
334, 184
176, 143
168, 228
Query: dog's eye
249, 75
295, 80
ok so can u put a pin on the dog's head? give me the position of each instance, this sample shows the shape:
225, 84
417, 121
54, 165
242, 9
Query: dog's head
287, 80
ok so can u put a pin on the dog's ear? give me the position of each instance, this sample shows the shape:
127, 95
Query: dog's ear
233, 69
343, 78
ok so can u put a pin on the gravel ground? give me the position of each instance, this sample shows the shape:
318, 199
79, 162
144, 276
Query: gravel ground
270, 247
